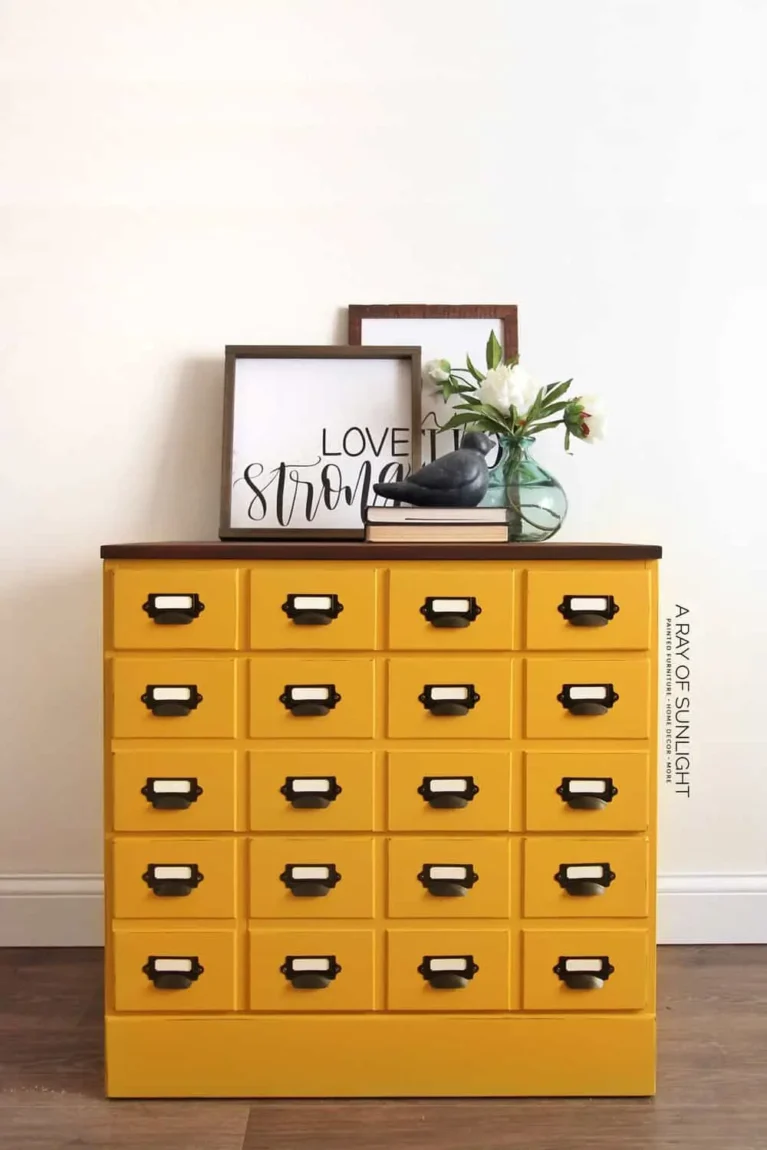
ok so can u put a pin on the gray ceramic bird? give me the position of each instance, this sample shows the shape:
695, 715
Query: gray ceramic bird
456, 480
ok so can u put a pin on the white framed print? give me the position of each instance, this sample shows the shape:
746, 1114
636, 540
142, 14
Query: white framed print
308, 431
442, 331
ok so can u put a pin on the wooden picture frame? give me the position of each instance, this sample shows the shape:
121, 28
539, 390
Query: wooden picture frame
286, 437
441, 330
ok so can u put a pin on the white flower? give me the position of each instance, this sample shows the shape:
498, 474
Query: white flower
437, 370
593, 418
505, 387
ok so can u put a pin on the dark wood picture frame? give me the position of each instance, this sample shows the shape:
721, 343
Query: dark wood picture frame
235, 352
505, 312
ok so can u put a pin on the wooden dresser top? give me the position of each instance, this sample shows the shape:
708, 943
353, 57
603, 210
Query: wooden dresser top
327, 549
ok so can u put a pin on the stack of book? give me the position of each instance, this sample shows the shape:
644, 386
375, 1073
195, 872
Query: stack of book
437, 525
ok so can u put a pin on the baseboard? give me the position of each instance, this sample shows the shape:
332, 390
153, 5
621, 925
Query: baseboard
51, 910
67, 909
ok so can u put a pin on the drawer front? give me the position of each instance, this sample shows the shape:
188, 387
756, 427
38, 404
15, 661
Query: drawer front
449, 792
311, 791
586, 878
450, 698
175, 970
448, 970
566, 970
585, 792
312, 970
443, 608
585, 608
173, 698
175, 608
305, 698
311, 878
588, 698
449, 878
175, 878
311, 606
168, 791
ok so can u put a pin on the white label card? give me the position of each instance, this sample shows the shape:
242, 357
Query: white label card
452, 785
583, 965
310, 786
455, 964
171, 786
448, 693
587, 786
447, 872
171, 694
172, 872
310, 964
309, 872
304, 694
312, 603
173, 602
588, 603
172, 965
450, 605
594, 693
585, 871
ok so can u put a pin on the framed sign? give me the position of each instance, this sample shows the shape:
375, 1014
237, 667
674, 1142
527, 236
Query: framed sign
442, 332
308, 431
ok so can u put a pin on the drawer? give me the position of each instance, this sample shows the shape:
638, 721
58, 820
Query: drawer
450, 698
173, 698
449, 791
308, 970
305, 698
313, 606
448, 970
311, 878
175, 970
165, 791
585, 791
585, 608
590, 970
437, 607
588, 698
175, 878
311, 791
449, 878
175, 608
586, 878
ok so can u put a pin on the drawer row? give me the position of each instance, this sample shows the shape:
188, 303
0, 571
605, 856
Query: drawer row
423, 970
338, 877
453, 697
312, 606
166, 791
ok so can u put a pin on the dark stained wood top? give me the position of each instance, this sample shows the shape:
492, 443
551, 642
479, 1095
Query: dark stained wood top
327, 549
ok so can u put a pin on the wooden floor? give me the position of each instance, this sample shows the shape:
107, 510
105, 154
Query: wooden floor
712, 1079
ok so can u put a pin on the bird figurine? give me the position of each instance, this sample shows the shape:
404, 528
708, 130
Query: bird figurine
458, 479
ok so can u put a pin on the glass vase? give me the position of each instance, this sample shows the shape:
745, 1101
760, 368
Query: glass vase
537, 504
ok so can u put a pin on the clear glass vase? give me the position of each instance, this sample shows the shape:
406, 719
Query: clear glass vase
537, 504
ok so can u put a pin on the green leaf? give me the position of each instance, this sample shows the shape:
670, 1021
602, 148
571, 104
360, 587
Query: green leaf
477, 375
554, 390
567, 438
494, 351
458, 420
535, 428
547, 410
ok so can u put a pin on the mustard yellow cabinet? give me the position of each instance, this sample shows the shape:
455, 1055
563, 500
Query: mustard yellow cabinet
358, 852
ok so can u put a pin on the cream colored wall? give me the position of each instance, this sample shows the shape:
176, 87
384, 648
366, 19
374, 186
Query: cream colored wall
176, 176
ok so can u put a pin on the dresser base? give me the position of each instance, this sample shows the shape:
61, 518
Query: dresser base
344, 1056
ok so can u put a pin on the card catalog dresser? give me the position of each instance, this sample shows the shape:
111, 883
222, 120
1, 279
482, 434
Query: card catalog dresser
380, 819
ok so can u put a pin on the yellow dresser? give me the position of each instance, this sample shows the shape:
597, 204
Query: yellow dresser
380, 819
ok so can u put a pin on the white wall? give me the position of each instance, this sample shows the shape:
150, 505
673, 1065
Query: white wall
179, 175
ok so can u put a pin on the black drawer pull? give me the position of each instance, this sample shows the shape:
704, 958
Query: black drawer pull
448, 971
312, 610
310, 699
171, 794
171, 972
310, 792
310, 880
588, 610
449, 699
165, 700
448, 793
584, 972
584, 880
442, 611
448, 880
172, 880
310, 971
173, 610
587, 794
587, 698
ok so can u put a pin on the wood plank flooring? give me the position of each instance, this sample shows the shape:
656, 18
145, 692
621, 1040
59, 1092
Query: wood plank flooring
712, 1079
